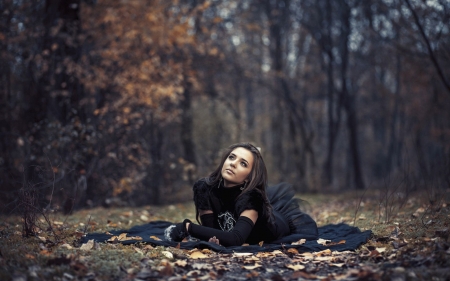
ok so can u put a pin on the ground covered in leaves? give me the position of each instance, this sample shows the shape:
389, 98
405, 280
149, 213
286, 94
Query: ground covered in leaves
410, 242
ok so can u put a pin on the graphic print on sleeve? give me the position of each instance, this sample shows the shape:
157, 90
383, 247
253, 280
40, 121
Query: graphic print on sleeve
226, 221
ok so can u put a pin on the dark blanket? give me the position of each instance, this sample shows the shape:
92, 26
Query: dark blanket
349, 237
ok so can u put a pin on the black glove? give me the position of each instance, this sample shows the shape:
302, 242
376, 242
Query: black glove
176, 232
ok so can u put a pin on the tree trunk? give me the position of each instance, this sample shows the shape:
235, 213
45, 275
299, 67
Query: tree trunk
349, 100
187, 124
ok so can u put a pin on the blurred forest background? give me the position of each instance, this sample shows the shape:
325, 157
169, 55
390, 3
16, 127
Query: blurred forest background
114, 102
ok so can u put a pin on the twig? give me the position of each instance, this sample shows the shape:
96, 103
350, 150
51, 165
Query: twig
357, 208
53, 185
86, 226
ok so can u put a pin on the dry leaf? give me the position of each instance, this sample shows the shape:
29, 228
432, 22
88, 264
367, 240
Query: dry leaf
198, 255
251, 267
138, 250
201, 266
67, 246
165, 268
251, 258
381, 250
299, 242
181, 263
167, 254
45, 252
323, 241
127, 214
87, 246
261, 243
242, 254
325, 252
292, 251
295, 267
321, 258
155, 238
207, 251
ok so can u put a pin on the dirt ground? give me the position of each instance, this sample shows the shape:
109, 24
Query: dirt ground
410, 242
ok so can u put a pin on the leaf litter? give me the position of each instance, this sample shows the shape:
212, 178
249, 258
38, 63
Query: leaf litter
412, 246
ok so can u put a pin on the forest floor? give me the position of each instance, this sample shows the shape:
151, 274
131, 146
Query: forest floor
413, 244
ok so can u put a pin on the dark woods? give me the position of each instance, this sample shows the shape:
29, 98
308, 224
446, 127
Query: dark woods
128, 102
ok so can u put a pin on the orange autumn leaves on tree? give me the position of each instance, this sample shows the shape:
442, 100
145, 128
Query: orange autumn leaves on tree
140, 49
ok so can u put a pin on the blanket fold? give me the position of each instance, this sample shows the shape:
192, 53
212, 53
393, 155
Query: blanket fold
343, 237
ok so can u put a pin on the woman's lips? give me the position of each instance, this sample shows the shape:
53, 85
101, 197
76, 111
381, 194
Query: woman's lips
229, 171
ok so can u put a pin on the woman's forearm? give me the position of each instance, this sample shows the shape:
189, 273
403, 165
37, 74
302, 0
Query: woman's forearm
236, 237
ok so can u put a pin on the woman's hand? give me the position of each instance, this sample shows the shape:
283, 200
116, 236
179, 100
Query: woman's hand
214, 240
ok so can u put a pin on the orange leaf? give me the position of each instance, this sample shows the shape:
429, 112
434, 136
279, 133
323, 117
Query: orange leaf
155, 238
30, 256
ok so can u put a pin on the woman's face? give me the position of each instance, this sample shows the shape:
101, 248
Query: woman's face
237, 167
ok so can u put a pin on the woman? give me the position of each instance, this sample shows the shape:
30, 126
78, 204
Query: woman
234, 207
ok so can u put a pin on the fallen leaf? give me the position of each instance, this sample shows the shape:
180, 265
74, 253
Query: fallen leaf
123, 237
325, 252
292, 251
45, 252
167, 254
261, 243
165, 268
138, 250
299, 242
295, 267
242, 254
67, 246
181, 263
201, 266
30, 256
127, 214
322, 258
155, 238
251, 267
207, 251
381, 250
198, 255
251, 258
88, 245
323, 241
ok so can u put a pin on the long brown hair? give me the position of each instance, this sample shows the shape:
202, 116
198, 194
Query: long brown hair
257, 179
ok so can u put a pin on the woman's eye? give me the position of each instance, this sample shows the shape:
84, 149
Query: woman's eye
231, 157
244, 164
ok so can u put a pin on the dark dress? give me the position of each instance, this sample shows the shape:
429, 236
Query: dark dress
227, 205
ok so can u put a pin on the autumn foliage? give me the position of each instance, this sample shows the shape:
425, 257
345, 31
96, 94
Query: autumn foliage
128, 102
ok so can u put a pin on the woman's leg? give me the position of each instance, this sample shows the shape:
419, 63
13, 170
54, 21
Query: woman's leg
281, 225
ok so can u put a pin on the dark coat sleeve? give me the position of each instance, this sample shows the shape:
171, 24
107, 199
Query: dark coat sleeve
202, 195
251, 200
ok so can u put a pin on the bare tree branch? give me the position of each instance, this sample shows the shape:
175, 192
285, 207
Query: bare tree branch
430, 50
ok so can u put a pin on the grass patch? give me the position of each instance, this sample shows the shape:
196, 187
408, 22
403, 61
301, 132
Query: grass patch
418, 229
